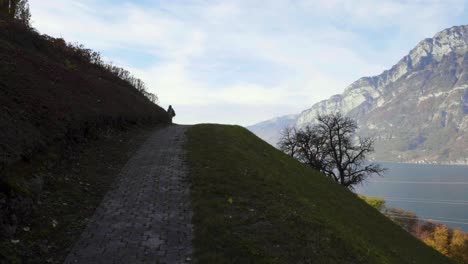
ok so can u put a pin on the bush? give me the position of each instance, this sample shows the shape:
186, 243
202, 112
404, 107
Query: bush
376, 202
82, 54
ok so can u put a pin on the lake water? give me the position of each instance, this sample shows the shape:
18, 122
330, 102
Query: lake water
436, 192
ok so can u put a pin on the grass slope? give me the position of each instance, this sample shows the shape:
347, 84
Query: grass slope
254, 204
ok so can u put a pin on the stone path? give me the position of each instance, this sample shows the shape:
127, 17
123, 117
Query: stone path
146, 216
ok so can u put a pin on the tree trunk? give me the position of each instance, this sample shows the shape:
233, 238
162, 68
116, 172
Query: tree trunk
9, 8
13, 7
4, 4
342, 178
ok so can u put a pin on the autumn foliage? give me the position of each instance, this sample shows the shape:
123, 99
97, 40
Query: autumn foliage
451, 242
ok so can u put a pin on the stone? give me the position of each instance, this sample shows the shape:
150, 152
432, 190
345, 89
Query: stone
139, 220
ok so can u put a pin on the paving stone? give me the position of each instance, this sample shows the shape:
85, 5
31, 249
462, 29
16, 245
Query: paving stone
146, 216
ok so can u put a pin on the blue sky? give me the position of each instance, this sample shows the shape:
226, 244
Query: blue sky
241, 62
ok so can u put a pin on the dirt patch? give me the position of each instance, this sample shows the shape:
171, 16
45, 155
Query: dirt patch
72, 189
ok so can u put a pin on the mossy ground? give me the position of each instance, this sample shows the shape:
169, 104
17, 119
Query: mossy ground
254, 204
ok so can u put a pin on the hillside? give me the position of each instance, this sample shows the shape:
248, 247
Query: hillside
52, 98
254, 204
417, 110
47, 95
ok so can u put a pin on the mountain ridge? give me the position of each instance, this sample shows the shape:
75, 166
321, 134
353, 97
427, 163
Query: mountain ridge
431, 74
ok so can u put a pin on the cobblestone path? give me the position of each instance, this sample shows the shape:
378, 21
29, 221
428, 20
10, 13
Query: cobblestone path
146, 216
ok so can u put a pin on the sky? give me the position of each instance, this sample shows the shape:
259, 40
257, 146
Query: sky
245, 61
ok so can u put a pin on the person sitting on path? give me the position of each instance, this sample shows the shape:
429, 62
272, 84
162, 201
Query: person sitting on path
171, 113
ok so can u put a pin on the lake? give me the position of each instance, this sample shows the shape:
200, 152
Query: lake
436, 192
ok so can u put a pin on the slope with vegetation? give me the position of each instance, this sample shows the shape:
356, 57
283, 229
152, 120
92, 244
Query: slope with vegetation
54, 95
51, 90
255, 204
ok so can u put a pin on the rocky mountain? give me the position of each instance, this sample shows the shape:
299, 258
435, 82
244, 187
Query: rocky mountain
417, 110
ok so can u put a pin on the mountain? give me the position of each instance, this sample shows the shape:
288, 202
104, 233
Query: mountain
269, 129
417, 110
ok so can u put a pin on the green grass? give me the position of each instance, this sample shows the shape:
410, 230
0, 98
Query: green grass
254, 204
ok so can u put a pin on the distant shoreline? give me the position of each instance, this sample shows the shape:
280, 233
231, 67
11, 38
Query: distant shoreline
424, 163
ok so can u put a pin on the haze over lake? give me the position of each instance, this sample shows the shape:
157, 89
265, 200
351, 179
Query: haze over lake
437, 192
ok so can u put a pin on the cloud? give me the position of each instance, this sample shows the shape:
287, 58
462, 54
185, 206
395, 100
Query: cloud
244, 61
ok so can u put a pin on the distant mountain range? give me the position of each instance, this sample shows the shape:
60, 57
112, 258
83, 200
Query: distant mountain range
417, 110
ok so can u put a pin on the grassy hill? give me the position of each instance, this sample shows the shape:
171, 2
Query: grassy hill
254, 204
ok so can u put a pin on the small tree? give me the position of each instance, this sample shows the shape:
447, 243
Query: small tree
440, 240
331, 147
16, 9
459, 247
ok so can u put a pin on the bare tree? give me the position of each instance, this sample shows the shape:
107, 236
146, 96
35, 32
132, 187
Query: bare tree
331, 147
288, 143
